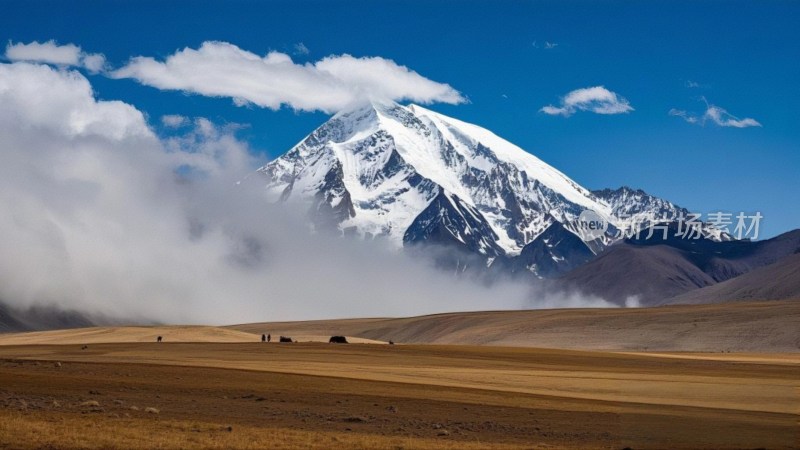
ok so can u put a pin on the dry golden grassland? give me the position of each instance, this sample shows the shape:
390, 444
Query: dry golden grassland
315, 395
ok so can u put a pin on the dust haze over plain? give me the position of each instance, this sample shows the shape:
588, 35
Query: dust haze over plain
105, 213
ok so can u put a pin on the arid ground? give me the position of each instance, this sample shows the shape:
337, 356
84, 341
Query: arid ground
221, 388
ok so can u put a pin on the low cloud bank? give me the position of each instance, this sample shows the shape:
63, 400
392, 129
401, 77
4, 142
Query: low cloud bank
103, 215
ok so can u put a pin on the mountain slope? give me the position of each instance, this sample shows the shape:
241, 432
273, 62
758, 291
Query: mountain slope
634, 274
9, 320
40, 318
654, 270
777, 281
448, 220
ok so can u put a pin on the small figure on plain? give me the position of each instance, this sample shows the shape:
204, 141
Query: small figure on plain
391, 342
263, 338
269, 338
158, 339
337, 340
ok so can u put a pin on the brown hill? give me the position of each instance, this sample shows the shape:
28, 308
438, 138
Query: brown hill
654, 270
777, 281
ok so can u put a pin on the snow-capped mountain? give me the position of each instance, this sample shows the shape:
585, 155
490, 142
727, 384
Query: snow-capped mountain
412, 175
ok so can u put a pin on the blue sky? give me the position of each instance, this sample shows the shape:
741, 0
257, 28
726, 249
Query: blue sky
743, 57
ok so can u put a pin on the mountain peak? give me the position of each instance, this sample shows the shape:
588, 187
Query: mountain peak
368, 108
378, 167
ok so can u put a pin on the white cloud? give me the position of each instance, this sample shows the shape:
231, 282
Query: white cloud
722, 118
715, 115
220, 69
596, 99
94, 62
174, 120
68, 109
51, 53
48, 52
101, 214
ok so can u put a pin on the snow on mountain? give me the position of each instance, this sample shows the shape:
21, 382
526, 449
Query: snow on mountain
635, 203
410, 175
636, 209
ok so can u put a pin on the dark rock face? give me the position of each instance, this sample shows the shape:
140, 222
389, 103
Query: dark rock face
554, 252
448, 221
332, 203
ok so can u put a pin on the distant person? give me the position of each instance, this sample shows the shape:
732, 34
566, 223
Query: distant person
269, 338
263, 338
158, 339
